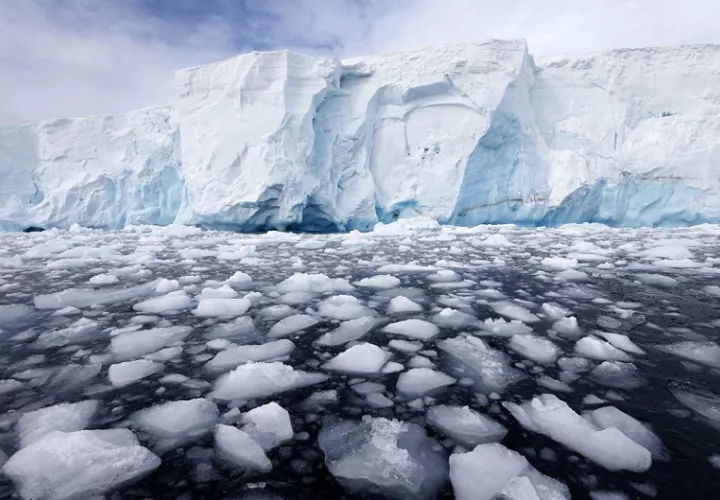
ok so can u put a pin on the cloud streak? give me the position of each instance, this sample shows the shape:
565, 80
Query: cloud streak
78, 57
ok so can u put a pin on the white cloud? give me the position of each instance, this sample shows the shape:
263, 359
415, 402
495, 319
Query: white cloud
70, 62
110, 56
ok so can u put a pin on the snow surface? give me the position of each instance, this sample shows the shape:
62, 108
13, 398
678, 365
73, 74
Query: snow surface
79, 464
463, 133
64, 417
176, 423
607, 446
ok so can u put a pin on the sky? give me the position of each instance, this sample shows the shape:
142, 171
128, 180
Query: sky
63, 58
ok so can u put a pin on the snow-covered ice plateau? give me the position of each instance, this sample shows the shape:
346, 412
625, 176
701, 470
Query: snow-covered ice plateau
416, 361
462, 133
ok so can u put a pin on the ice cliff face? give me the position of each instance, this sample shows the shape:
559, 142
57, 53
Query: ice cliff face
465, 134
102, 172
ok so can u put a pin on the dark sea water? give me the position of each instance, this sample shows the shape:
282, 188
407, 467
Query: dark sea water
657, 287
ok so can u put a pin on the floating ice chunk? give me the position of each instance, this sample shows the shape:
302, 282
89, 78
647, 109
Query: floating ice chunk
292, 324
129, 372
621, 342
278, 311
79, 331
405, 346
452, 318
343, 307
135, 344
79, 464
361, 359
417, 382
503, 328
208, 308
379, 282
269, 425
81, 297
378, 400
405, 268
296, 298
348, 331
617, 374
572, 275
390, 457
608, 495
672, 252
8, 386
538, 349
313, 283
241, 330
445, 275
103, 279
559, 263
11, 314
222, 292
420, 362
233, 357
173, 301
240, 280
239, 449
218, 344
177, 423
514, 311
464, 425
393, 367
567, 327
706, 404
453, 285
64, 417
254, 380
554, 312
72, 377
471, 357
594, 348
492, 471
609, 416
706, 353
553, 384
67, 311
166, 286
483, 473
403, 305
658, 280
494, 240
413, 328
174, 378
609, 447
574, 365
491, 293
164, 354
608, 322
311, 244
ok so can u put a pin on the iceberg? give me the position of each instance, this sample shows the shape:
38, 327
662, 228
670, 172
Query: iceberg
464, 134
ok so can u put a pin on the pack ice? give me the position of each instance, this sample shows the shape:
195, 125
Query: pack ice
463, 134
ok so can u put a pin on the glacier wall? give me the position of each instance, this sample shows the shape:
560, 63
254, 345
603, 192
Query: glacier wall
104, 172
465, 134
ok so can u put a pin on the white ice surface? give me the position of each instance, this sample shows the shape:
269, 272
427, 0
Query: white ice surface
608, 447
79, 464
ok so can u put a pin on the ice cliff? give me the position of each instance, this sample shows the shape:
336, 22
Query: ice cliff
465, 134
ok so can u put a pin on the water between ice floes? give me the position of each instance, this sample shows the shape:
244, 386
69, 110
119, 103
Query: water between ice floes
177, 334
